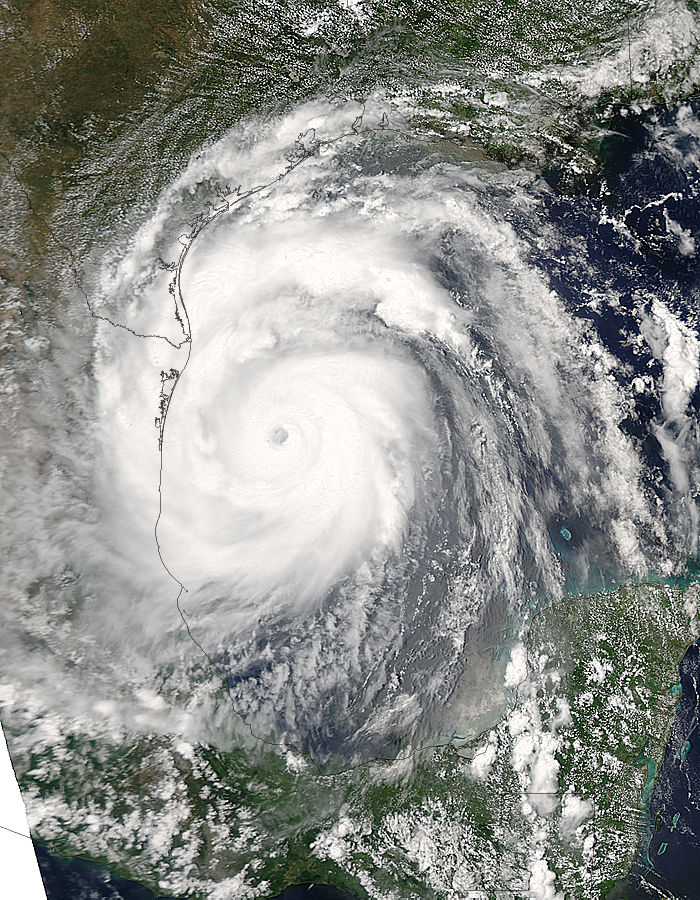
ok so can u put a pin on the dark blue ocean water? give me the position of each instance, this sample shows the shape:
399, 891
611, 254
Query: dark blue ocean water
78, 879
618, 241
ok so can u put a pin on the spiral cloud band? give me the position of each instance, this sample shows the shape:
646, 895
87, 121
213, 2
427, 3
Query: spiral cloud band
389, 440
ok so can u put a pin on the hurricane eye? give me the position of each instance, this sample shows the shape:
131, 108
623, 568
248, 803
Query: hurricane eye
278, 436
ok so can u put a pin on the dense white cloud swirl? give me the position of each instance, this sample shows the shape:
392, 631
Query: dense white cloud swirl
388, 438
288, 466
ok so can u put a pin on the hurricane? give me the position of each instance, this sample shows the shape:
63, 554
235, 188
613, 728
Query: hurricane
382, 439
350, 448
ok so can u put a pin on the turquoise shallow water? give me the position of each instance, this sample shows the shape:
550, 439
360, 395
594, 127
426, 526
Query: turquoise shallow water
669, 853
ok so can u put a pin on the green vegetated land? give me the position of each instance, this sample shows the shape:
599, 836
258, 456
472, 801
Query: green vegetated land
109, 99
562, 782
619, 657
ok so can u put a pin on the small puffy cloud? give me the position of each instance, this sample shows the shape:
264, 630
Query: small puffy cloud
575, 811
484, 758
542, 880
543, 775
516, 670
295, 763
